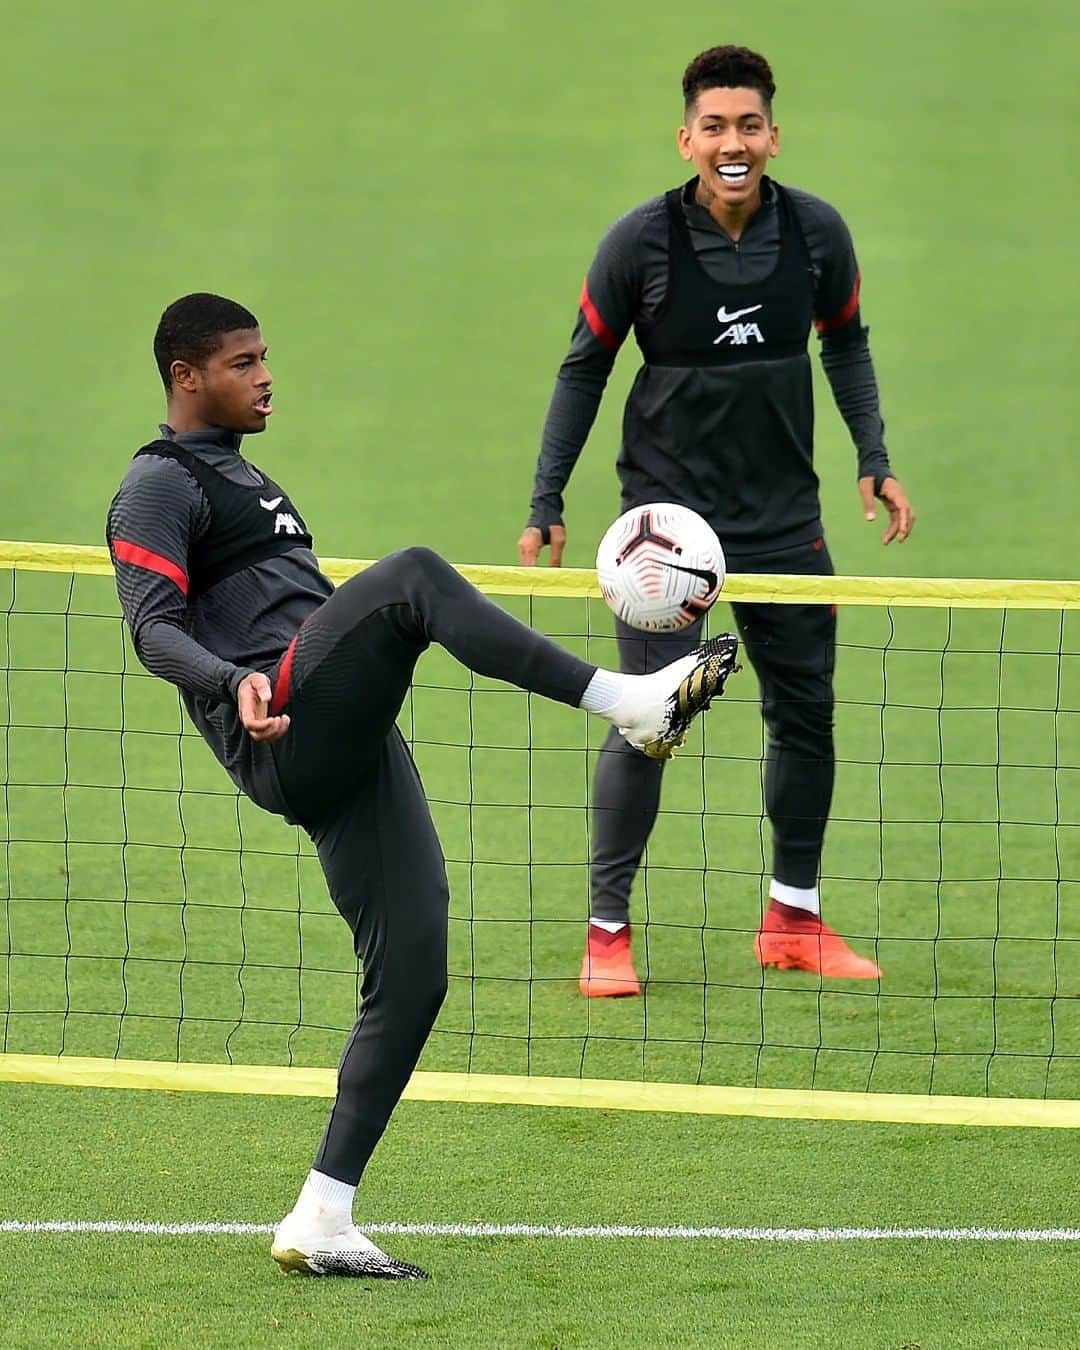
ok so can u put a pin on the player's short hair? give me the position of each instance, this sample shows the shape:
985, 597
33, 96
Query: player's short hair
191, 330
728, 68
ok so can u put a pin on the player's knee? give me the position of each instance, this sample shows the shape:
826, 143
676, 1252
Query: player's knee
411, 991
420, 560
437, 991
426, 995
422, 964
811, 744
796, 723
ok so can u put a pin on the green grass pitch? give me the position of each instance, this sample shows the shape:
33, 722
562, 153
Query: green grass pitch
408, 200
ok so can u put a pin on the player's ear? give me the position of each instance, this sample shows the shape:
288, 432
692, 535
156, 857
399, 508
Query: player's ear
184, 376
774, 141
682, 139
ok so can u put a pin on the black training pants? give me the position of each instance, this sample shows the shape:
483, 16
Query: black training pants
793, 651
347, 776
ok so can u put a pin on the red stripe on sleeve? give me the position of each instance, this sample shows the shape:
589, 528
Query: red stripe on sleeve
127, 552
599, 328
846, 314
280, 698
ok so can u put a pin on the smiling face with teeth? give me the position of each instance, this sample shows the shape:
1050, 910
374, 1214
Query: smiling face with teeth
729, 137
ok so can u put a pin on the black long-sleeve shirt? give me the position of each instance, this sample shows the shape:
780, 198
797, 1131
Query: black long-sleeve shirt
207, 642
626, 286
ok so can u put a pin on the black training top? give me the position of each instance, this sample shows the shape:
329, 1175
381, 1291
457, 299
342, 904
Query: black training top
720, 417
250, 522
726, 371
215, 575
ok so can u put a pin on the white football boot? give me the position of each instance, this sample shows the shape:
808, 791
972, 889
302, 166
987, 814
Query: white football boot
302, 1243
656, 710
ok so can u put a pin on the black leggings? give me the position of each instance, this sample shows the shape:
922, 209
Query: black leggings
793, 651
347, 776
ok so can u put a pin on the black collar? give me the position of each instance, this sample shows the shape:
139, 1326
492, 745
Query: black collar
209, 438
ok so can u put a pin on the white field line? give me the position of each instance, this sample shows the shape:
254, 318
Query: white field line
535, 1230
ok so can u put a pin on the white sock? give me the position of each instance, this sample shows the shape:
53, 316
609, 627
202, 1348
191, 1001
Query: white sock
798, 897
608, 925
603, 691
325, 1199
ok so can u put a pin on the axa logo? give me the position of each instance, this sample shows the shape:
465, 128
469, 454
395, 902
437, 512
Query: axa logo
284, 521
738, 334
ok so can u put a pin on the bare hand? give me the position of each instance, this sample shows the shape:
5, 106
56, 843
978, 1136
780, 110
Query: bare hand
253, 695
532, 542
901, 512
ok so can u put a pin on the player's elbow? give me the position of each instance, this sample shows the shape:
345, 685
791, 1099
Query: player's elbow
150, 638
845, 342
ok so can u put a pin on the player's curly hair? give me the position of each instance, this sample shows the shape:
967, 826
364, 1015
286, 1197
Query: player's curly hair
728, 68
191, 330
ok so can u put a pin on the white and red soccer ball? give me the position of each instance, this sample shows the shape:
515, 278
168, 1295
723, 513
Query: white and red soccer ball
661, 567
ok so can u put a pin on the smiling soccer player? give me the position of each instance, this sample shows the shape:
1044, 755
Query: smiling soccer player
721, 281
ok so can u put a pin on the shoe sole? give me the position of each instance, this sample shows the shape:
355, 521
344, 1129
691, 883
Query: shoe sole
290, 1261
612, 989
794, 963
716, 661
349, 1264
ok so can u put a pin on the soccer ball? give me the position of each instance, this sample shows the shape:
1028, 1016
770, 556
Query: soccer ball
661, 567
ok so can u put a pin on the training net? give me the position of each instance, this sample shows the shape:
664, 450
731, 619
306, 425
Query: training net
148, 911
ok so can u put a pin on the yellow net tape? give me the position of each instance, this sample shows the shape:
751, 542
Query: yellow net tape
511, 1090
579, 582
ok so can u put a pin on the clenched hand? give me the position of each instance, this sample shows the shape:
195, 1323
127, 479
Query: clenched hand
253, 696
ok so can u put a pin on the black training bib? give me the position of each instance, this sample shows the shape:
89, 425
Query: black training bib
720, 417
248, 524
707, 323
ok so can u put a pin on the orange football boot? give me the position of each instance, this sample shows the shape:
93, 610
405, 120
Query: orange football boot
794, 939
607, 970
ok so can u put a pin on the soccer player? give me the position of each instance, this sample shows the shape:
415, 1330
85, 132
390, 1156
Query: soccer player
295, 687
721, 280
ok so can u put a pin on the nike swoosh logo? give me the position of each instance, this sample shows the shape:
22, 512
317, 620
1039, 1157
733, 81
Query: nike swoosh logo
710, 578
725, 317
272, 504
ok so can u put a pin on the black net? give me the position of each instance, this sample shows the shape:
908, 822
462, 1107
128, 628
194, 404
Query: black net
147, 911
